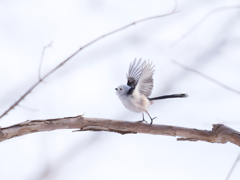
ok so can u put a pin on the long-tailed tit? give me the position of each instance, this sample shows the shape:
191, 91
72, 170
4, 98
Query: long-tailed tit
135, 95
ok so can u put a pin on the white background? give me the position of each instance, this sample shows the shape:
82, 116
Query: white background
86, 84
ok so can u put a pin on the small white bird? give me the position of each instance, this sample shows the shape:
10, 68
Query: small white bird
134, 95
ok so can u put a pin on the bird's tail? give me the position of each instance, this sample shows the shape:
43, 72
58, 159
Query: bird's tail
169, 96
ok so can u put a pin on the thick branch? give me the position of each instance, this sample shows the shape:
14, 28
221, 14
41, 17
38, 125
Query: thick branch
219, 133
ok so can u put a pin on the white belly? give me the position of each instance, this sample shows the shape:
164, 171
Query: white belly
135, 102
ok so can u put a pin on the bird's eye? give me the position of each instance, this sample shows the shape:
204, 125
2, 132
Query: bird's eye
120, 88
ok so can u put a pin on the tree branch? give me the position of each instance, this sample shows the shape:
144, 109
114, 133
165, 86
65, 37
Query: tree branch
218, 134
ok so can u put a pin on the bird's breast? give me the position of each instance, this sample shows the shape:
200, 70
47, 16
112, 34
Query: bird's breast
135, 103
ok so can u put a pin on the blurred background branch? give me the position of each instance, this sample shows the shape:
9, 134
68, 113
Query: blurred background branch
50, 170
234, 165
212, 12
206, 77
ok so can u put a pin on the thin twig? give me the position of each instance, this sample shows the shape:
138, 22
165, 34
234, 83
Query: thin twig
207, 77
234, 165
186, 34
41, 59
86, 45
31, 109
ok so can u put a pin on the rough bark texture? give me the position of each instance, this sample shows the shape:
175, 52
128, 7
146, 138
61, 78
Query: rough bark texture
219, 133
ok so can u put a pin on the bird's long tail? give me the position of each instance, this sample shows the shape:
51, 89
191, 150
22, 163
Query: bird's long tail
169, 96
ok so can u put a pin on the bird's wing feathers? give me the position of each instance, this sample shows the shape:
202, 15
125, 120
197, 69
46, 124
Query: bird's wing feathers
134, 73
140, 77
145, 82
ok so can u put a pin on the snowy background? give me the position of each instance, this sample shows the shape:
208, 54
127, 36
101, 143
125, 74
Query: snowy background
86, 85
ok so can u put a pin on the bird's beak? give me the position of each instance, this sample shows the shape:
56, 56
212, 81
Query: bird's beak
116, 89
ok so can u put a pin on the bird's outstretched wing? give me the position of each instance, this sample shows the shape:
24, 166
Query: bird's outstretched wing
134, 73
140, 77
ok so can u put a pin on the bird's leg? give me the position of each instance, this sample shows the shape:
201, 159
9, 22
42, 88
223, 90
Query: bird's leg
151, 118
143, 120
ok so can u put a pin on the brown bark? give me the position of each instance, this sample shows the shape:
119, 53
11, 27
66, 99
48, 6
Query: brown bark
219, 133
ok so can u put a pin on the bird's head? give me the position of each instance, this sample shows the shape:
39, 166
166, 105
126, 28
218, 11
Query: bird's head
122, 89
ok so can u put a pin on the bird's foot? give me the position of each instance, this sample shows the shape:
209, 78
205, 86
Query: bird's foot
152, 120
141, 121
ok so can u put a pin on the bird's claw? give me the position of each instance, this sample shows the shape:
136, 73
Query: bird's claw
152, 121
141, 121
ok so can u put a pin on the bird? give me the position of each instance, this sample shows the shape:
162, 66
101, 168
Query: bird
135, 95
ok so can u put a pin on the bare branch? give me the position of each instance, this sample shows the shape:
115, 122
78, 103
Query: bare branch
81, 48
219, 133
234, 165
207, 77
41, 59
186, 34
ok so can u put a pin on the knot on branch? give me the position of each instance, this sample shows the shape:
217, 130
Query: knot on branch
223, 134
